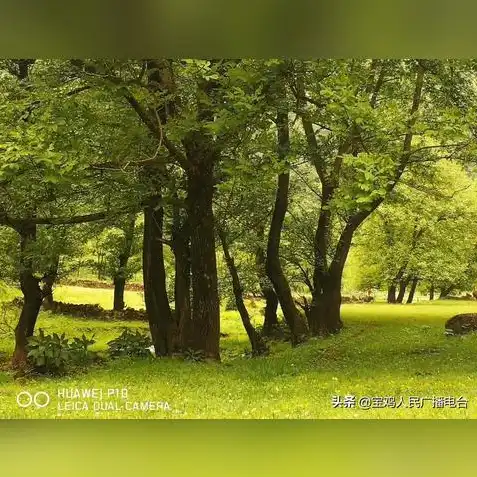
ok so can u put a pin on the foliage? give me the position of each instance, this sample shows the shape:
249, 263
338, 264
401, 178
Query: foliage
52, 353
196, 356
428, 230
132, 344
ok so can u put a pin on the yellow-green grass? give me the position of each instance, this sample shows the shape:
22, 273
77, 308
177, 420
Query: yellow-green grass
101, 296
384, 350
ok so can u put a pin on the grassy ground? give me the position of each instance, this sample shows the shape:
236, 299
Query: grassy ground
384, 351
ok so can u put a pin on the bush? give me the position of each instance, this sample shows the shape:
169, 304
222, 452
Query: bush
194, 355
130, 344
52, 353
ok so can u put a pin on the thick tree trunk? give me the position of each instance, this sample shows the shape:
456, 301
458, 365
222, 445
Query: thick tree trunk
155, 291
205, 334
181, 250
324, 315
120, 275
271, 299
32, 296
291, 314
392, 293
402, 289
258, 345
412, 291
431, 292
48, 282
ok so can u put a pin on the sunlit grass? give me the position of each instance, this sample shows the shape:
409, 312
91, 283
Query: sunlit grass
384, 350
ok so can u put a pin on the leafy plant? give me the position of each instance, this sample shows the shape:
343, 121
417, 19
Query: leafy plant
130, 344
52, 353
194, 355
78, 349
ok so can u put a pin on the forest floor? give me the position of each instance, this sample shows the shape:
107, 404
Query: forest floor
393, 359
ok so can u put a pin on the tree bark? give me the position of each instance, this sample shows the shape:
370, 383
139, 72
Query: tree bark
291, 314
32, 296
181, 249
48, 281
205, 335
266, 287
403, 283
121, 273
392, 293
324, 315
118, 299
412, 291
258, 345
155, 291
431, 292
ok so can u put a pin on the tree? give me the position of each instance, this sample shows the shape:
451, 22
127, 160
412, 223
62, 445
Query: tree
48, 174
365, 122
425, 233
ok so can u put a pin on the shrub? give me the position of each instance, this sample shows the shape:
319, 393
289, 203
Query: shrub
52, 353
130, 344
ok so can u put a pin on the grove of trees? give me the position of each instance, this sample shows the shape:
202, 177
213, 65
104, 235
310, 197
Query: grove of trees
217, 180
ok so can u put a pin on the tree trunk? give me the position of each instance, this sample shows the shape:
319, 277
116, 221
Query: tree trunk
431, 292
412, 291
402, 289
121, 273
325, 307
392, 293
32, 296
48, 282
324, 314
181, 250
271, 299
445, 291
393, 286
291, 314
258, 345
205, 335
119, 286
155, 290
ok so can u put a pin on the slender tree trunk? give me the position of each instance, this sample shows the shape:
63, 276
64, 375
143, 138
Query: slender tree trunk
291, 314
48, 282
121, 272
266, 287
32, 296
205, 296
412, 291
402, 289
119, 286
431, 292
181, 250
155, 291
258, 345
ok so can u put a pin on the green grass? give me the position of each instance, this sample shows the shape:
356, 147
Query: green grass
384, 350
101, 296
